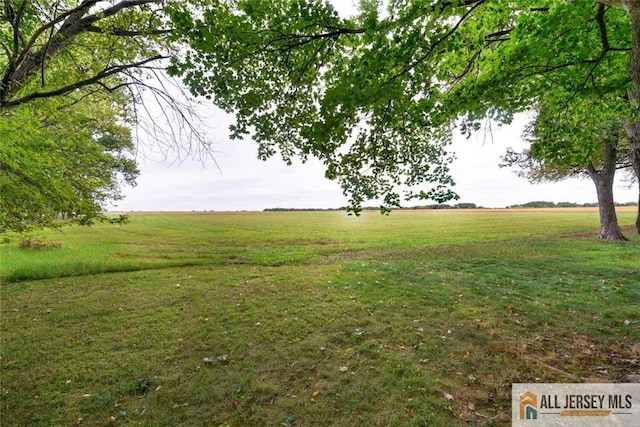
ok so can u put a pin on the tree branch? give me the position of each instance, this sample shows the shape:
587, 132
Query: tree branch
120, 32
432, 48
96, 79
614, 3
304, 39
80, 10
74, 21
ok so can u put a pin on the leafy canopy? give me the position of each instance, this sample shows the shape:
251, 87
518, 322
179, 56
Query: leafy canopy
303, 81
61, 160
51, 48
375, 96
565, 142
71, 76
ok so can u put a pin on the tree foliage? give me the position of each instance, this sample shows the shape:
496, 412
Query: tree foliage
374, 96
57, 160
565, 142
571, 63
72, 77
561, 50
303, 81
52, 47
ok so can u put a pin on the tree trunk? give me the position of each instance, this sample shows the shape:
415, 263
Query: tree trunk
603, 180
638, 214
609, 228
632, 7
633, 129
633, 134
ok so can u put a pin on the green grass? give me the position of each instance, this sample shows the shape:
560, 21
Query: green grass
312, 318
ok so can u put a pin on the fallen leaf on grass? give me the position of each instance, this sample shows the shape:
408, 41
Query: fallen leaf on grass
471, 406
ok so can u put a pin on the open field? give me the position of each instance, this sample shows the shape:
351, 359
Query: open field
312, 318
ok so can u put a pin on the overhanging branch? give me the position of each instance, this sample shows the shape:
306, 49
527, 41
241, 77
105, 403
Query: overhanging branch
432, 48
96, 79
23, 63
120, 32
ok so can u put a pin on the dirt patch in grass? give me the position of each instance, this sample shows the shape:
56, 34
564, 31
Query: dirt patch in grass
628, 230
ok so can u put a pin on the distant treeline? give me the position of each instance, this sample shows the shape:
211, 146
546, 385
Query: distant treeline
302, 209
535, 204
542, 204
373, 208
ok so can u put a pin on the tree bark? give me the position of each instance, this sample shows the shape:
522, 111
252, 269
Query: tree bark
633, 128
609, 227
633, 134
632, 7
603, 180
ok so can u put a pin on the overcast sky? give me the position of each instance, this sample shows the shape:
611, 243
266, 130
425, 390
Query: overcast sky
242, 182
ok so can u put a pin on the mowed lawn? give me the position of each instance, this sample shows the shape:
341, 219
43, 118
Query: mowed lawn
312, 318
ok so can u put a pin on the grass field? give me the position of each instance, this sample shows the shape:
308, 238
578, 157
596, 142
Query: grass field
312, 318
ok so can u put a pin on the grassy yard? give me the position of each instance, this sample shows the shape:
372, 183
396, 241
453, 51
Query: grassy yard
310, 319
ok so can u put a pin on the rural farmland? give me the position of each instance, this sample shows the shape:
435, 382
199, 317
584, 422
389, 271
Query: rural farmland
278, 309
312, 318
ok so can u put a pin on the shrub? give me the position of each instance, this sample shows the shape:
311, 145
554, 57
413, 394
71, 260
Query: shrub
39, 244
120, 219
